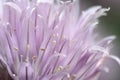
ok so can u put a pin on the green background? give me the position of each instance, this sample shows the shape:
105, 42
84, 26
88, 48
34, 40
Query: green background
109, 25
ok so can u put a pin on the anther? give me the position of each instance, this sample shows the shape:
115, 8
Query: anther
54, 41
63, 37
72, 77
16, 49
14, 29
28, 46
27, 59
21, 56
60, 68
42, 49
67, 67
54, 35
34, 57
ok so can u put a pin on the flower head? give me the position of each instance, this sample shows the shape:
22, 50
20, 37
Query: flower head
43, 41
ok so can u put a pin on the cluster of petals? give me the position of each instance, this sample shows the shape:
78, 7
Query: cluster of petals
46, 41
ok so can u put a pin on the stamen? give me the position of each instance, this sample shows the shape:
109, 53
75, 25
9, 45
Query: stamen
54, 35
67, 67
72, 77
72, 42
54, 41
27, 59
16, 49
63, 37
59, 69
34, 57
28, 46
42, 49
21, 58
14, 29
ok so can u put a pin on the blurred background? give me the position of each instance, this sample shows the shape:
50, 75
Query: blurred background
109, 25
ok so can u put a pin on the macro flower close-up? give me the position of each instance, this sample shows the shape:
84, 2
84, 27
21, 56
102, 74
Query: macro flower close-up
48, 40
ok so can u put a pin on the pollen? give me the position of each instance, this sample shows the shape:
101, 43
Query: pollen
42, 49
67, 67
54, 41
27, 59
16, 49
54, 35
34, 57
72, 77
60, 68
28, 46
63, 37
14, 29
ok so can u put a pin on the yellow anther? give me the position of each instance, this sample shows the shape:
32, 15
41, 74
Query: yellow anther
60, 68
72, 77
21, 56
54, 35
34, 57
16, 49
67, 67
63, 37
14, 29
27, 59
74, 40
42, 49
28, 46
54, 41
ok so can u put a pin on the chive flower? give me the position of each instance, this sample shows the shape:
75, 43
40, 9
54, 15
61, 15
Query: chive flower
41, 40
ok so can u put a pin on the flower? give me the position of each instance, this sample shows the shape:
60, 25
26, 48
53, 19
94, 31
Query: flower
46, 41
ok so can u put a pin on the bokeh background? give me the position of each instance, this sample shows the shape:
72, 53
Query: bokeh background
109, 25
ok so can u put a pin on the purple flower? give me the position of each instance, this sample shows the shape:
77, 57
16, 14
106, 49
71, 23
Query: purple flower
46, 41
